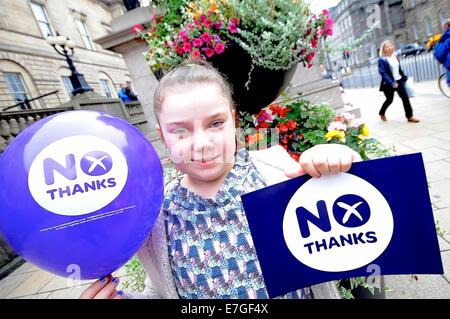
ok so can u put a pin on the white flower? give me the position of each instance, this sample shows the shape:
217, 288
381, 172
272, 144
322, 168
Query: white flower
338, 126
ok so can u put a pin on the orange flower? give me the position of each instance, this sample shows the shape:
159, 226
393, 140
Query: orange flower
255, 138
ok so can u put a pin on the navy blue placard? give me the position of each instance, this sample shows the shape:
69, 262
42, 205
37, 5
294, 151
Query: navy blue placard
412, 248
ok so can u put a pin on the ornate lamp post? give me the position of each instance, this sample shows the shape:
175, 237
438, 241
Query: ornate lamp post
64, 46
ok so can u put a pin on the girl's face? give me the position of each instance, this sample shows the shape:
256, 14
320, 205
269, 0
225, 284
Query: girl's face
388, 49
197, 126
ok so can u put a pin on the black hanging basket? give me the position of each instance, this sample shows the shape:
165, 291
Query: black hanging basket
265, 85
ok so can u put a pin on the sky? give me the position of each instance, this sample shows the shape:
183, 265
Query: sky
318, 5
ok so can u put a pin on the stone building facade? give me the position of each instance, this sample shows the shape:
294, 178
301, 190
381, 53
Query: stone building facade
402, 21
424, 18
30, 66
353, 18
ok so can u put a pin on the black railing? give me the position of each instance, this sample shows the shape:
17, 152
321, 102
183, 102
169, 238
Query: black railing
25, 104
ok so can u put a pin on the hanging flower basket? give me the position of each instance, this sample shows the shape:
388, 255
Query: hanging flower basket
255, 44
254, 87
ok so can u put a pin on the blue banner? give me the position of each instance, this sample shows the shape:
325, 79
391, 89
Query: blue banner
375, 218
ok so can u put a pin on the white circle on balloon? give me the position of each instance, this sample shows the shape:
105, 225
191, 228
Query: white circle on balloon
77, 175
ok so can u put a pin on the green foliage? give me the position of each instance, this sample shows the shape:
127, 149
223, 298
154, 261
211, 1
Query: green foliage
346, 293
274, 32
440, 231
135, 275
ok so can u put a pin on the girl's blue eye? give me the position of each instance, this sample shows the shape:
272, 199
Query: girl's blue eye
216, 124
180, 131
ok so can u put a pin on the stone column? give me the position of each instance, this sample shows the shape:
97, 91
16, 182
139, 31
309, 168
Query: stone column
312, 86
122, 40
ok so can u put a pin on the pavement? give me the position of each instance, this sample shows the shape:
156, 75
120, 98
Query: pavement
431, 137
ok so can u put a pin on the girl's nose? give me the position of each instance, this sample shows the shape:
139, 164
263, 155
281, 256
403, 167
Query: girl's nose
201, 141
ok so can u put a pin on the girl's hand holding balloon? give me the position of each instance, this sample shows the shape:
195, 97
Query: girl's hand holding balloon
104, 288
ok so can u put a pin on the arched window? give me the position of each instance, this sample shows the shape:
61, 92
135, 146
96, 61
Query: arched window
19, 83
428, 26
106, 85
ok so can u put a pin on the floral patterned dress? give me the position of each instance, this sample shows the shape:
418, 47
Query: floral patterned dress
211, 250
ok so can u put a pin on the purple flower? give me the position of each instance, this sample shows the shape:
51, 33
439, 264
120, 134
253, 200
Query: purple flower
216, 38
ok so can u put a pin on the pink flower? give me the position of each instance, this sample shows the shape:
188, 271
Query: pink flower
209, 52
235, 21
314, 43
263, 116
310, 56
207, 23
218, 24
195, 54
216, 38
187, 46
325, 12
328, 28
206, 37
348, 116
190, 26
219, 48
183, 34
179, 50
232, 28
197, 42
136, 28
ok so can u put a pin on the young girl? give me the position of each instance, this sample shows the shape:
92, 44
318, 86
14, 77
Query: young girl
201, 246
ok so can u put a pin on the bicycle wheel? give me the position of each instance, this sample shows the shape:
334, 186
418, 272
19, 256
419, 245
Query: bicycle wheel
443, 86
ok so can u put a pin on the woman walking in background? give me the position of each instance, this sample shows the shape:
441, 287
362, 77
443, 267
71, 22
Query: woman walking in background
393, 79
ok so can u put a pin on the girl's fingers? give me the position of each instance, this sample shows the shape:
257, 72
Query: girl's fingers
307, 165
292, 172
108, 290
334, 163
320, 162
119, 295
95, 288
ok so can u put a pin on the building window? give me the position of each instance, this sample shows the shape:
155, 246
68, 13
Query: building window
106, 87
67, 84
84, 34
42, 18
17, 89
415, 32
428, 26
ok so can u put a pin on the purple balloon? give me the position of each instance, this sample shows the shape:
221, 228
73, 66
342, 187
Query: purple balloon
80, 192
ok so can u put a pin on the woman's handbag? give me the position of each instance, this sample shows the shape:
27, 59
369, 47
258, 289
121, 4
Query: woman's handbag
409, 87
